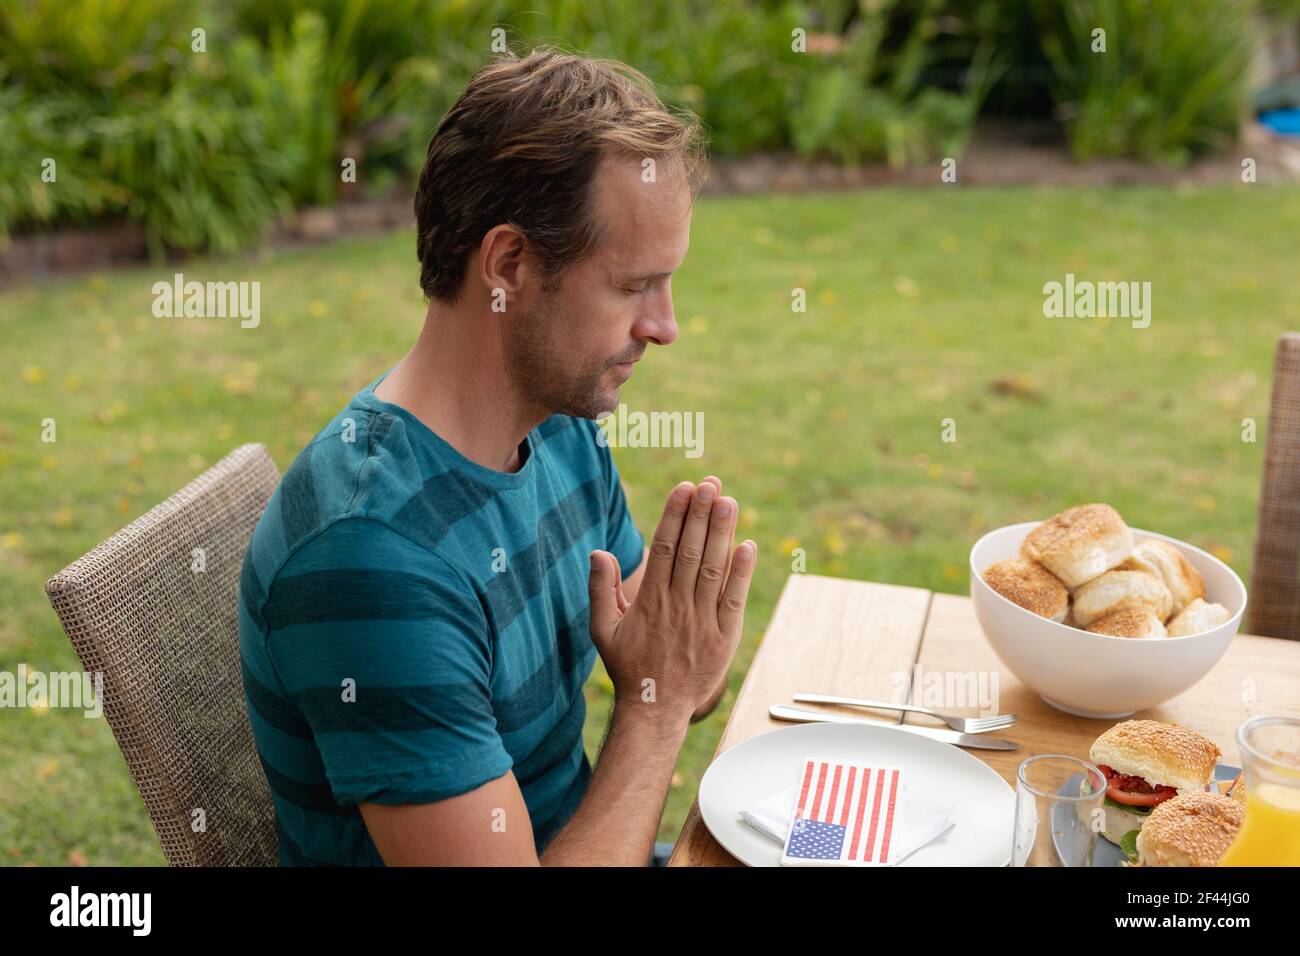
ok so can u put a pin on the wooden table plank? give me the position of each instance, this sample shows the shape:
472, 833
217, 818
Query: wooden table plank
1257, 675
854, 637
828, 635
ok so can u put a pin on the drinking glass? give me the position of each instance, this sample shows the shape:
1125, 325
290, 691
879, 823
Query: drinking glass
1270, 758
1058, 811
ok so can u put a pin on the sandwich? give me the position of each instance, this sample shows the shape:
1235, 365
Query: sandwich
1192, 829
1146, 763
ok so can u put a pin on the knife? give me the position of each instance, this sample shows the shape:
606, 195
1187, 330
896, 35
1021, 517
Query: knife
982, 742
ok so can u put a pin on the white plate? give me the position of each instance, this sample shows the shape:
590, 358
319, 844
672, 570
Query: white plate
984, 805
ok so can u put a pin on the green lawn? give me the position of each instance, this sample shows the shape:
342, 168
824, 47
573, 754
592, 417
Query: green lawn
826, 425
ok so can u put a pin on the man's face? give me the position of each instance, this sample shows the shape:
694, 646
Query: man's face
574, 348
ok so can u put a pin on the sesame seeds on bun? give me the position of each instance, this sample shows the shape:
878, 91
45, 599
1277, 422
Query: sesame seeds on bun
1135, 622
1029, 585
1080, 543
1145, 588
1192, 829
1164, 755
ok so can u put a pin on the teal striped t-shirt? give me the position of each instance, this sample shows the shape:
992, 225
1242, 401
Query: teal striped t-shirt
413, 624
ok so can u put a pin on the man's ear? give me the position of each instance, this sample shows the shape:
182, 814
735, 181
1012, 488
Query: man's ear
502, 262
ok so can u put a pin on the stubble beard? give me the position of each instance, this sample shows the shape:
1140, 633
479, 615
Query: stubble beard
535, 355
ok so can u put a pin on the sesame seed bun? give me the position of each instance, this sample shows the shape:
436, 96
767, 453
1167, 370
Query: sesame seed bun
1192, 829
1136, 622
1119, 590
1168, 564
1029, 585
1164, 755
1080, 543
1197, 618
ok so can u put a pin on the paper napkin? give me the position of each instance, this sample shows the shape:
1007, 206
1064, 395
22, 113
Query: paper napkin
845, 815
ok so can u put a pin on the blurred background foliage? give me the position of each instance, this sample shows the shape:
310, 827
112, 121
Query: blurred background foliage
207, 150
829, 436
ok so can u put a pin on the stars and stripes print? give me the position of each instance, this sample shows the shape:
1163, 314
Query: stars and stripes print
844, 814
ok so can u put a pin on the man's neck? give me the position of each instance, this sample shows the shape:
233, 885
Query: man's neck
456, 384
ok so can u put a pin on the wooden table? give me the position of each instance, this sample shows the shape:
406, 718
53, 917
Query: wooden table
836, 636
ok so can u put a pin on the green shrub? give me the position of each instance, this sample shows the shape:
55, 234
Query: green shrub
379, 76
867, 102
206, 150
729, 61
1171, 84
98, 49
201, 163
36, 128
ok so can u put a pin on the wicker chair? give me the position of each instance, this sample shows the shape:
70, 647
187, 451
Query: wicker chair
1274, 608
153, 609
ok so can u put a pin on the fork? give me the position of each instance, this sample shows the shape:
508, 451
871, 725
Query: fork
965, 725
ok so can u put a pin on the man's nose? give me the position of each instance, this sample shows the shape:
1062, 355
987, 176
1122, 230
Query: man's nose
659, 326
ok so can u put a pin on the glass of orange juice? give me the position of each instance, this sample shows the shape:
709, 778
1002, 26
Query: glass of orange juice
1270, 757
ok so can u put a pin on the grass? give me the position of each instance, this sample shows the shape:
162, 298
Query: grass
826, 425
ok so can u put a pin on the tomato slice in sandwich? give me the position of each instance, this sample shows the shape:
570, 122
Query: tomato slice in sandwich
1134, 791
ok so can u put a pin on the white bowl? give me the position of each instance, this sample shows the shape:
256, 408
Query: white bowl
1094, 675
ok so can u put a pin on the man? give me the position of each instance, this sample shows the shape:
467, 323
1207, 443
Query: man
427, 591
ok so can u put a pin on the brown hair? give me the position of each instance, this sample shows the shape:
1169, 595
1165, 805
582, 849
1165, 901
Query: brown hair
522, 146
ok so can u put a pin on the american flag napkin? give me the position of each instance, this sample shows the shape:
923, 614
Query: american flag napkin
846, 815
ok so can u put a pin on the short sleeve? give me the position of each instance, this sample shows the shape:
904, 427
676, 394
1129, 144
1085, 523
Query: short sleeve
622, 539
386, 651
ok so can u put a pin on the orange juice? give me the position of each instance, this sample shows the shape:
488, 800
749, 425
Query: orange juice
1270, 835
1270, 761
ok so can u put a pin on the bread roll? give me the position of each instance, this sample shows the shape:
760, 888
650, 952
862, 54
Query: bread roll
1165, 755
1168, 564
1197, 618
1080, 543
1192, 829
1129, 622
1121, 590
1029, 585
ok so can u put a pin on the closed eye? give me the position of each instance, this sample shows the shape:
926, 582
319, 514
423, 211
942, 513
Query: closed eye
647, 286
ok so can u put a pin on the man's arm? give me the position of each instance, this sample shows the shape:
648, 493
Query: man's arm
613, 826
616, 822
488, 826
